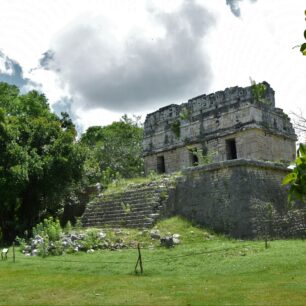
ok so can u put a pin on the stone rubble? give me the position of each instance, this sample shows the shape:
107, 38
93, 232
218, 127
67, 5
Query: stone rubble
77, 242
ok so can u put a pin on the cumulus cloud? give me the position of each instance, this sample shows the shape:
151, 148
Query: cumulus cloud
11, 72
234, 6
102, 71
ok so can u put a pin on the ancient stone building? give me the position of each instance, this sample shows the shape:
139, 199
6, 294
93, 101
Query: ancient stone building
240, 141
237, 123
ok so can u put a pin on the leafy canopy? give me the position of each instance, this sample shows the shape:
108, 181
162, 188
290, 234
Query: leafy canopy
297, 178
39, 159
113, 151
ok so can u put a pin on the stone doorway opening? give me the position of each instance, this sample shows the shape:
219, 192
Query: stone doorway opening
231, 150
160, 167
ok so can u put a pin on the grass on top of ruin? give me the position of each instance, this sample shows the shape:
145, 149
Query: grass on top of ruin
122, 184
205, 269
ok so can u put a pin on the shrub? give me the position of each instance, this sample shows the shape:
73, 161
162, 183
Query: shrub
68, 227
50, 228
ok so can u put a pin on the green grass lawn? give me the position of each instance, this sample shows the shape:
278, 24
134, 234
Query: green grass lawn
203, 270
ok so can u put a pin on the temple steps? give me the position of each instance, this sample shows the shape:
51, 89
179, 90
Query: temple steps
140, 207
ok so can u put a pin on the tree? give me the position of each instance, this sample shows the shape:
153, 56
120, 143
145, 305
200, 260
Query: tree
114, 150
39, 160
296, 180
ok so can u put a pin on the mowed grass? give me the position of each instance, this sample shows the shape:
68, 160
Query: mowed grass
203, 270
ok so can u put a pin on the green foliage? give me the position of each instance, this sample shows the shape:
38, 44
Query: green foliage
68, 227
113, 151
39, 160
21, 242
78, 224
176, 128
185, 114
203, 157
43, 248
126, 208
303, 46
92, 239
297, 178
259, 92
49, 228
124, 184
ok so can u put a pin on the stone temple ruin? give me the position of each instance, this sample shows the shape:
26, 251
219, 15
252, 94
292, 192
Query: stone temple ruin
233, 148
226, 125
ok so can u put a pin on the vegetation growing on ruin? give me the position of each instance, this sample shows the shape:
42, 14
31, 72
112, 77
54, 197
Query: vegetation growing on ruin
185, 114
176, 128
122, 184
259, 92
203, 156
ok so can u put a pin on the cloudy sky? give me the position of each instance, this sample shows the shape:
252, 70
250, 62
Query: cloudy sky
100, 59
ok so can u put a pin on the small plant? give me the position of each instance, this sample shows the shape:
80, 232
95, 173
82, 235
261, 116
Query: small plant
50, 228
56, 248
203, 157
185, 114
43, 248
21, 242
78, 224
91, 240
153, 176
126, 207
259, 92
176, 128
68, 227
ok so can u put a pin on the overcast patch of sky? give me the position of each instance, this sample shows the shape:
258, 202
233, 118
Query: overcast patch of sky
257, 44
138, 71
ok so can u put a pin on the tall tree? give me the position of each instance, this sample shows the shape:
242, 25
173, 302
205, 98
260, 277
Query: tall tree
39, 159
114, 150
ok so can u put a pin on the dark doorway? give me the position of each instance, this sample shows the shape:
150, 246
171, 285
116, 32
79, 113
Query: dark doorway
194, 157
161, 165
231, 151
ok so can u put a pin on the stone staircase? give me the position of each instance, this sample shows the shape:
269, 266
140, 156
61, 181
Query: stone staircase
139, 206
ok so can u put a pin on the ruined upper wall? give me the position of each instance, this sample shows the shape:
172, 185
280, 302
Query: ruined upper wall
213, 116
206, 103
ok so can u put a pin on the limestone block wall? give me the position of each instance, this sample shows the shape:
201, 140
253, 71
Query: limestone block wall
229, 197
231, 120
222, 195
255, 144
259, 145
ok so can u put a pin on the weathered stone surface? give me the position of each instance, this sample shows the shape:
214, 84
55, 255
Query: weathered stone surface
155, 234
139, 206
221, 195
260, 130
167, 241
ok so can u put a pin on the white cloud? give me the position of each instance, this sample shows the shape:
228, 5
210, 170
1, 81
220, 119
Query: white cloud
258, 44
103, 70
